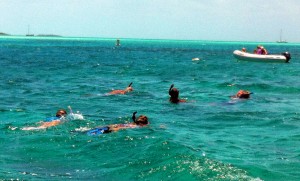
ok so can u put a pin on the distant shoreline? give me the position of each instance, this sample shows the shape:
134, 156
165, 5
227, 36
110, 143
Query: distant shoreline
40, 35
140, 39
48, 35
4, 34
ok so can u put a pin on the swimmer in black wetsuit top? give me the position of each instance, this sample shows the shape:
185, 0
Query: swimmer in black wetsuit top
174, 95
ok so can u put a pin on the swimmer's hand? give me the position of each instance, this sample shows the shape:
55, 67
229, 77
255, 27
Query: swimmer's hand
69, 107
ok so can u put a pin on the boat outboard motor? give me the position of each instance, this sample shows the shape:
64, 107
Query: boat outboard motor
287, 56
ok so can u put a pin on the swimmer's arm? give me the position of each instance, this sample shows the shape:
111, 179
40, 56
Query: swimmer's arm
182, 100
43, 125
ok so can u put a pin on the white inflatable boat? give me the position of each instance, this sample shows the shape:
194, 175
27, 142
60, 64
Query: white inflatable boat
283, 58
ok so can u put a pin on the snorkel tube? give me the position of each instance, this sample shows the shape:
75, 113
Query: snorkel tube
133, 117
170, 90
129, 88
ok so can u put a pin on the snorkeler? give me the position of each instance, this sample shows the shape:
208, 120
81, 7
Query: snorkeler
174, 95
60, 117
242, 94
51, 121
128, 89
141, 121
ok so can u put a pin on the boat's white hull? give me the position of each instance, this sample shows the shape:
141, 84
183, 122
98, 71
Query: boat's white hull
259, 58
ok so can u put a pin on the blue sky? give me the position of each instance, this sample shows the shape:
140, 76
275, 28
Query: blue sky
225, 20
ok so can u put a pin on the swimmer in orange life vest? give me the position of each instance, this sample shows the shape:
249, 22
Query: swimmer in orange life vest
128, 89
51, 121
141, 121
174, 94
242, 94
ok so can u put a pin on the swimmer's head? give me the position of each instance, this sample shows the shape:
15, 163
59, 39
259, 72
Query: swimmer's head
243, 94
174, 93
141, 120
61, 113
128, 89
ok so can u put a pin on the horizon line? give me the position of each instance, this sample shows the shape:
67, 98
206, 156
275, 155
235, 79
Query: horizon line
54, 36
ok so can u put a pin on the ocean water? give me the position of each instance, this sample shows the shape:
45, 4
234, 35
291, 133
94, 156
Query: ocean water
211, 137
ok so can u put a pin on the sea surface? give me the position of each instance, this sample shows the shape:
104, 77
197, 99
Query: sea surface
211, 137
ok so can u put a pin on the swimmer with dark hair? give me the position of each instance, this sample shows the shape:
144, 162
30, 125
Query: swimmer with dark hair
51, 121
126, 90
60, 117
140, 121
174, 95
242, 94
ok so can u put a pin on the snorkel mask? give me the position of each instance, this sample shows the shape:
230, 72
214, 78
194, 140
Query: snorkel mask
61, 113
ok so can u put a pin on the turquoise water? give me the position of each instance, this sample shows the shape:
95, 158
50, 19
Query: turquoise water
211, 137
